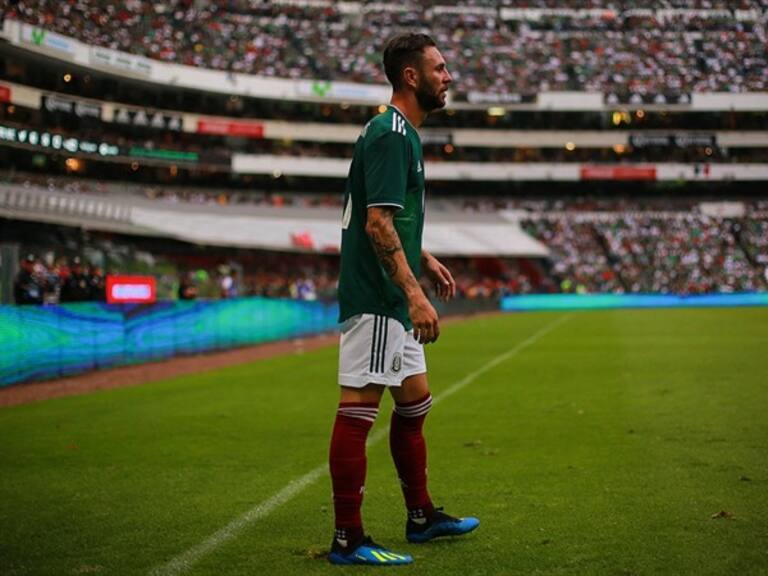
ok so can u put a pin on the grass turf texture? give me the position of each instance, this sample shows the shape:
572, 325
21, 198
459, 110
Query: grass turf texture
605, 447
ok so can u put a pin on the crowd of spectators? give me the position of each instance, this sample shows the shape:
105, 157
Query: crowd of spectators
689, 255
41, 281
579, 262
489, 277
476, 278
637, 252
315, 277
753, 233
629, 48
306, 277
297, 276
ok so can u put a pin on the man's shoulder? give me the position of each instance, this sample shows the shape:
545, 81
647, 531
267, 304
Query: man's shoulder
388, 122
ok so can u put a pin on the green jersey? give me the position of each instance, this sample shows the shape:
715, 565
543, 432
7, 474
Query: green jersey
387, 170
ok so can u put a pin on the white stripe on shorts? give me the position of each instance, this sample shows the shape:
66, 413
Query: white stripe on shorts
378, 344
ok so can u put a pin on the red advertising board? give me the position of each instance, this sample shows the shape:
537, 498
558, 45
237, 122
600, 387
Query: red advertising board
5, 93
224, 127
303, 240
131, 289
618, 173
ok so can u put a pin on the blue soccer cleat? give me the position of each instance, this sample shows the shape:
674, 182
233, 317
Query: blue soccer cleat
441, 524
367, 553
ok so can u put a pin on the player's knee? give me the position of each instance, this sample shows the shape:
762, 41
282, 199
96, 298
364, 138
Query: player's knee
370, 394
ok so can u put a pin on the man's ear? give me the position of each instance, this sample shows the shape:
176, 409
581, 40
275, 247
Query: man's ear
410, 76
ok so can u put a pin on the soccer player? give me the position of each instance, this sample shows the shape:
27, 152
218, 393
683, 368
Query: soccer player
385, 316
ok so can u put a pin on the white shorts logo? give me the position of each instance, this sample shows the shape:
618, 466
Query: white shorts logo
397, 362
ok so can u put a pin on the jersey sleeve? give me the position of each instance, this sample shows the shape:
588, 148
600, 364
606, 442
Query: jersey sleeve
386, 170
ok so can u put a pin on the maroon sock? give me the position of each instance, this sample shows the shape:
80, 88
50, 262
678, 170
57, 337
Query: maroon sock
348, 464
409, 451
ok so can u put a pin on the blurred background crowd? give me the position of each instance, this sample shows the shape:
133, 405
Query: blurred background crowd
596, 246
636, 252
53, 280
612, 46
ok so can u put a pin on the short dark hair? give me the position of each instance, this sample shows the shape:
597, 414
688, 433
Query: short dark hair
401, 51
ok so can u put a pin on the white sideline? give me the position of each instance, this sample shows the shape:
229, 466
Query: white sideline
186, 560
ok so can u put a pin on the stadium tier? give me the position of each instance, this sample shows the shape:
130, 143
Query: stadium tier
496, 48
498, 246
633, 145
257, 94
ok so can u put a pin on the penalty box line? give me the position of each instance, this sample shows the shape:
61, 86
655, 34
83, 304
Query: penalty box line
186, 560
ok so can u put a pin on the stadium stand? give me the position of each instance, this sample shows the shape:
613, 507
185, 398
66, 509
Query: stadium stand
523, 199
649, 47
593, 245
682, 252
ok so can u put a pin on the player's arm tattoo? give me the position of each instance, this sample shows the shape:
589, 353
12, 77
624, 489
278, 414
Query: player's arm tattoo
386, 253
386, 243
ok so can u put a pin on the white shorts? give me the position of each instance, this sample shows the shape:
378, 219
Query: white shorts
377, 350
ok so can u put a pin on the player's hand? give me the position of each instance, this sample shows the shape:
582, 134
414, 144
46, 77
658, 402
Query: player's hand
426, 327
445, 285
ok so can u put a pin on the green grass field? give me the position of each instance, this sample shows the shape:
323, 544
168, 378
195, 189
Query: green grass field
603, 443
